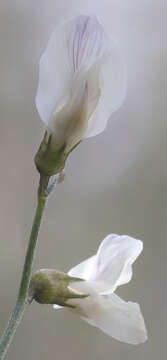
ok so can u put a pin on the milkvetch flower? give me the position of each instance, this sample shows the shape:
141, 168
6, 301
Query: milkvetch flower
81, 83
89, 289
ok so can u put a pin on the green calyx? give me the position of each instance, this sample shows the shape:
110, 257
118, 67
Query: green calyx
50, 158
51, 287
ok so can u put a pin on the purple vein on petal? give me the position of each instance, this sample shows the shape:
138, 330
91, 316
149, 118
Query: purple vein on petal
85, 39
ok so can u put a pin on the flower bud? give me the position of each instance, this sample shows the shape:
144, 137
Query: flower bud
49, 286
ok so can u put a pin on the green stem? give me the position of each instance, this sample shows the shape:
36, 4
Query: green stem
22, 299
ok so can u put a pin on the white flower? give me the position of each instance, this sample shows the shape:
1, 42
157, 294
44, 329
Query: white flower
103, 273
81, 81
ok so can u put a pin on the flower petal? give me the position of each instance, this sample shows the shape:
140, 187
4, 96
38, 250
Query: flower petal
112, 84
112, 265
68, 121
90, 287
54, 73
86, 41
85, 269
55, 306
115, 257
73, 47
117, 318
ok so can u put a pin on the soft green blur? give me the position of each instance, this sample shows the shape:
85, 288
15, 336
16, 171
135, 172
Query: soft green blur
115, 182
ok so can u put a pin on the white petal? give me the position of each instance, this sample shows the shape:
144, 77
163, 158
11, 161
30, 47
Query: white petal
69, 121
117, 318
74, 47
115, 257
90, 287
85, 269
86, 41
55, 73
112, 83
55, 306
112, 265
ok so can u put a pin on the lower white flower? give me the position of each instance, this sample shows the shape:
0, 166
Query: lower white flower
103, 273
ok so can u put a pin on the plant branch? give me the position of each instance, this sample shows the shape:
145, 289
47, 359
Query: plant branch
22, 299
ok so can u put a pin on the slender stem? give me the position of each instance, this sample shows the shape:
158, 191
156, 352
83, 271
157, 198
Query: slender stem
22, 299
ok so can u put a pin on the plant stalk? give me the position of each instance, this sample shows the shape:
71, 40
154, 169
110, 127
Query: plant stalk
22, 299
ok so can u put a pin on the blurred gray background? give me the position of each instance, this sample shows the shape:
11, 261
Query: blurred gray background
115, 182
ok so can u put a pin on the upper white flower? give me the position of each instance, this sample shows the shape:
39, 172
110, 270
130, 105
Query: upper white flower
81, 81
103, 273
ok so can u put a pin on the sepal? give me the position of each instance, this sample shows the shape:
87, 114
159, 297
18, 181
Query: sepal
49, 286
